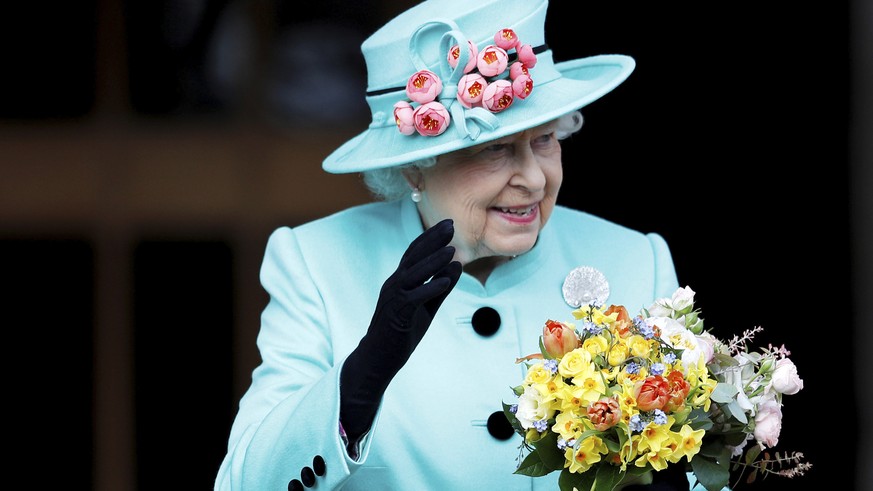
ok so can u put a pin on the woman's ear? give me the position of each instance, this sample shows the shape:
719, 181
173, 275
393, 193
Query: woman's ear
414, 177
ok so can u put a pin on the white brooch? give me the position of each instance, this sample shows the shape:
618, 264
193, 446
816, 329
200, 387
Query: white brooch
585, 285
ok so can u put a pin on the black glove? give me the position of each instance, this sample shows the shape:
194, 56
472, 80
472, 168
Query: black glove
673, 478
406, 306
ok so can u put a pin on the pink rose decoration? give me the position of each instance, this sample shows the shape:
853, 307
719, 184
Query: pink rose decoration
424, 86
522, 86
785, 378
498, 96
517, 69
471, 88
506, 39
431, 119
526, 55
492, 60
455, 54
403, 117
768, 423
604, 413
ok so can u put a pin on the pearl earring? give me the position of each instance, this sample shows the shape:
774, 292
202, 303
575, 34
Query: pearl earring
415, 195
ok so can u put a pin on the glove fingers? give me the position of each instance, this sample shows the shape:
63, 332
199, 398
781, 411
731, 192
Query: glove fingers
417, 273
452, 271
429, 241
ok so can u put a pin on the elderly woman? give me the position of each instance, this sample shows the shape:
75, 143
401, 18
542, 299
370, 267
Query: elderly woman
392, 331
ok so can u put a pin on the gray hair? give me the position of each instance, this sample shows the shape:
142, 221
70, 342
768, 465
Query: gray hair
389, 184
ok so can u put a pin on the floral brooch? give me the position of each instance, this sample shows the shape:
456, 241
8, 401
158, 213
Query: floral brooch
484, 84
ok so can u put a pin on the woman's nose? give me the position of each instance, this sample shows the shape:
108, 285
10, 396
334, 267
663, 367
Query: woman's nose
528, 171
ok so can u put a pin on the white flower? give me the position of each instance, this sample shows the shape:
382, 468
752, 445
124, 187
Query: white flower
677, 336
683, 300
530, 409
768, 423
785, 378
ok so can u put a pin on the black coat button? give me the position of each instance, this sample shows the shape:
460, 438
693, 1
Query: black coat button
486, 321
499, 426
295, 485
308, 477
318, 465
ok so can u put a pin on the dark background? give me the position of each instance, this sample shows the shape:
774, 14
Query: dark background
131, 303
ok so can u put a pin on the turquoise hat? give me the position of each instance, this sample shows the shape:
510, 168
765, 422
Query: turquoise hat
421, 39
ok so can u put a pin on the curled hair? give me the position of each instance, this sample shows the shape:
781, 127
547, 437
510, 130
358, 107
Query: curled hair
389, 184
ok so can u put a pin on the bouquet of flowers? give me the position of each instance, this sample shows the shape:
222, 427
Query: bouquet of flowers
611, 398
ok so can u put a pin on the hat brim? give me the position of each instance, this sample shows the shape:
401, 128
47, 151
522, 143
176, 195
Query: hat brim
582, 81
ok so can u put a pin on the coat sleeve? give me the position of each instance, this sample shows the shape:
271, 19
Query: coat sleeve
666, 281
287, 422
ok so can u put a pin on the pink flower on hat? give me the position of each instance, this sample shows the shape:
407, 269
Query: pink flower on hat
526, 55
498, 96
517, 69
506, 39
490, 87
522, 86
492, 61
431, 119
424, 86
471, 87
455, 54
403, 117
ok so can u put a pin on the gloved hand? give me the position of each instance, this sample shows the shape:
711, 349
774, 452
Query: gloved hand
406, 306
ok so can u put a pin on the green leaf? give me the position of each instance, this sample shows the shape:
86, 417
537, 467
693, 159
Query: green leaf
569, 480
549, 454
713, 473
607, 477
699, 420
725, 360
737, 412
513, 421
724, 393
752, 453
532, 466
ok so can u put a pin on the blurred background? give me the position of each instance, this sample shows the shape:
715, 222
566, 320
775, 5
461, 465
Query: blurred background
147, 150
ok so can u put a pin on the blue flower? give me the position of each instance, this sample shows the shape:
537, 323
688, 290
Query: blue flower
551, 366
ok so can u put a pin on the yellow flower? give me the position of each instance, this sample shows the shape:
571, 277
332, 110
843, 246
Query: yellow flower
575, 362
568, 425
617, 354
689, 443
589, 453
537, 374
657, 459
596, 314
596, 344
572, 399
654, 436
639, 346
551, 389
592, 385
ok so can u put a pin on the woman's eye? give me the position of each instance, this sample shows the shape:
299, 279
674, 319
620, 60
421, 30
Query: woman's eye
495, 148
547, 138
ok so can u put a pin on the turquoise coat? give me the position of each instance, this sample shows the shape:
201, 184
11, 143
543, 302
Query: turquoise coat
323, 279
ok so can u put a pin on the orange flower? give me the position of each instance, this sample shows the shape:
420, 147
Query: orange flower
559, 338
652, 393
679, 389
605, 413
623, 321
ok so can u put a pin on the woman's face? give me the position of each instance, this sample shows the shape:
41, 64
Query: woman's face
499, 194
